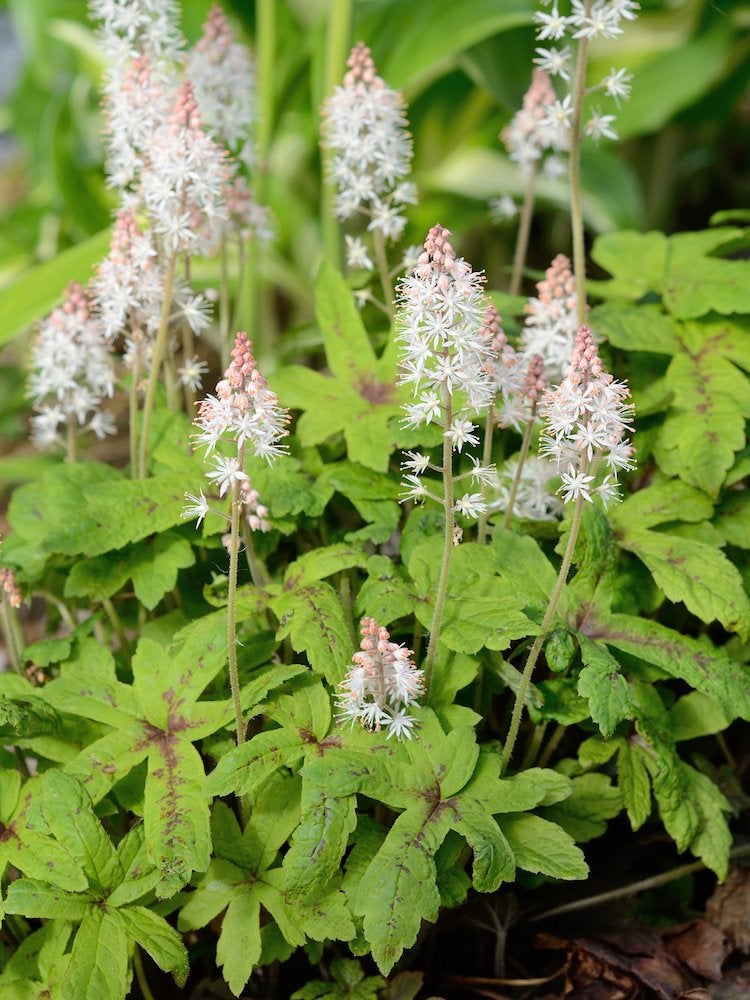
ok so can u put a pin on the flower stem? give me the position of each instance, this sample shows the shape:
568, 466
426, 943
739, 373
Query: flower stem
515, 719
574, 159
153, 377
385, 278
519, 466
234, 548
133, 412
258, 572
140, 974
489, 426
522, 236
13, 637
71, 439
337, 48
448, 546
224, 337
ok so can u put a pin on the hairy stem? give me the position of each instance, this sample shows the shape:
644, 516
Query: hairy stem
519, 467
224, 336
153, 377
489, 427
234, 548
258, 573
442, 587
385, 277
574, 159
337, 48
515, 719
133, 412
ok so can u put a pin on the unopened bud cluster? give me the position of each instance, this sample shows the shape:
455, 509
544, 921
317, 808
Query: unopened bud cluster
382, 684
9, 587
550, 325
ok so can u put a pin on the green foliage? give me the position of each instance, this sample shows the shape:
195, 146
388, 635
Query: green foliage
147, 823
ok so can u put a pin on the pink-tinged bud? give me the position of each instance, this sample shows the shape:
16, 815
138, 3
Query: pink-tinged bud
185, 113
10, 587
536, 381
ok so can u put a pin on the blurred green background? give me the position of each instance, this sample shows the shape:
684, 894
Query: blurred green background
463, 66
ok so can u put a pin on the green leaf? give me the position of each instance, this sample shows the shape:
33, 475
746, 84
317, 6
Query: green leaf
602, 683
637, 262
398, 889
669, 779
162, 942
286, 489
494, 861
634, 783
698, 283
699, 575
245, 769
98, 968
481, 609
361, 397
152, 565
140, 876
89, 508
713, 840
668, 500
411, 55
706, 424
733, 518
320, 563
704, 667
521, 562
239, 946
585, 812
543, 848
31, 898
635, 328
675, 77
348, 350
68, 811
176, 814
320, 840
695, 715
314, 620
385, 595
40, 288
25, 718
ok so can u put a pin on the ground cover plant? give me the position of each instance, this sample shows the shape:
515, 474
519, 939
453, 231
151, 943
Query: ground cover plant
374, 579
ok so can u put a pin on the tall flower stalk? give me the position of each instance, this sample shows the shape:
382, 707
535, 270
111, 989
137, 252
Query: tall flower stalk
586, 419
535, 382
528, 137
588, 20
445, 355
245, 412
369, 151
10, 602
72, 373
